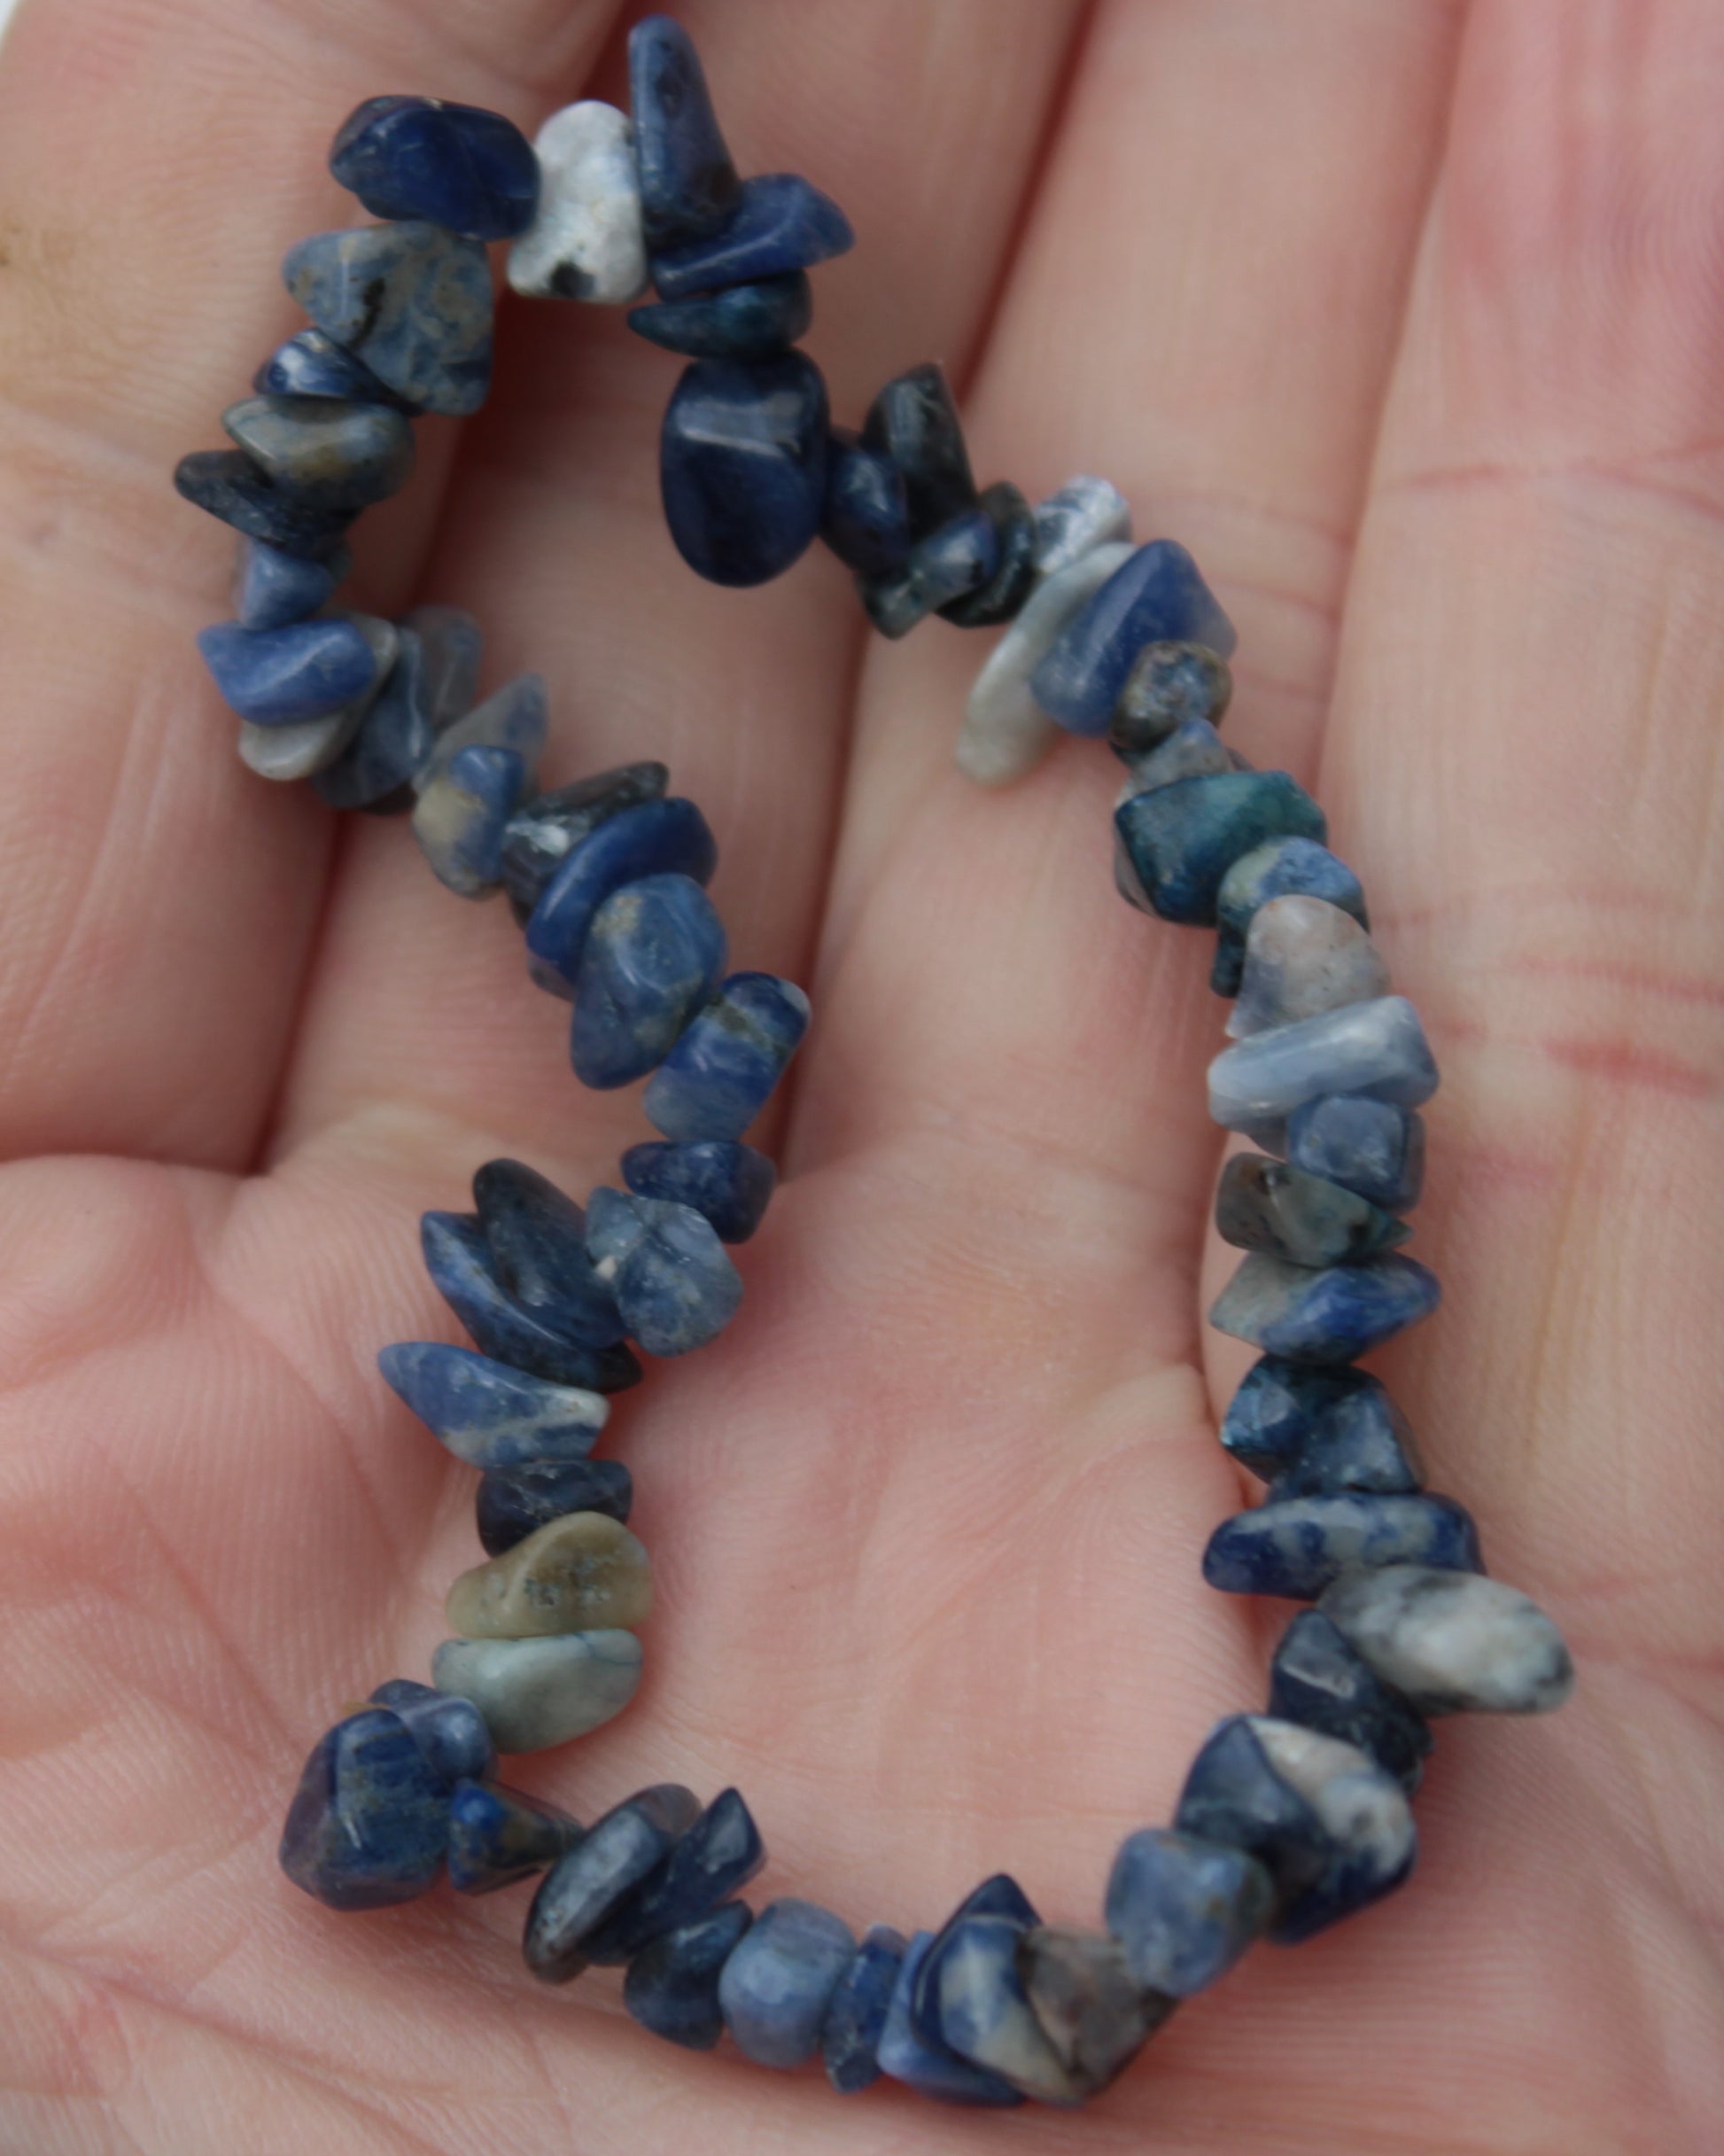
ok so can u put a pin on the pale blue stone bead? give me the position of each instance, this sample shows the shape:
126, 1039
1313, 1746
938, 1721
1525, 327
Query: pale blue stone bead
673, 1281
1184, 1909
593, 1879
1333, 1316
907, 2056
538, 1693
497, 1836
343, 454
459, 818
515, 717
537, 1237
1376, 1048
655, 837
721, 1072
998, 1895
280, 677
1297, 1546
1366, 1145
776, 1985
654, 955
272, 589
984, 2013
1302, 956
411, 301
449, 1731
489, 1414
1277, 869
1157, 598
856, 2013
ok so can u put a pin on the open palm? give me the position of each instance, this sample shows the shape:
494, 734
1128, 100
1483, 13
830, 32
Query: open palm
1408, 319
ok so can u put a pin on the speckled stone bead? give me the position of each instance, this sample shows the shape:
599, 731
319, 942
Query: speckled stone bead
544, 831
449, 1731
721, 1073
1368, 1146
959, 556
1300, 957
780, 225
340, 455
459, 818
1333, 1316
1171, 685
671, 1986
983, 2013
225, 483
1158, 596
743, 322
1352, 1439
928, 2067
312, 364
742, 465
370, 1822
668, 837
453, 165
1376, 1048
538, 1693
1317, 1680
394, 741
1192, 750
776, 1986
545, 1343
729, 1185
1177, 843
718, 1857
277, 677
412, 301
512, 1502
1092, 2011
498, 1837
1297, 1546
865, 519
537, 1238
587, 240
654, 955
302, 746
1013, 579
1281, 867
490, 1416
1453, 1642
856, 2013
1266, 1205
1184, 1910
1077, 518
514, 717
688, 186
673, 1283
596, 1876
582, 1573
999, 1897
272, 589
914, 421
1270, 1420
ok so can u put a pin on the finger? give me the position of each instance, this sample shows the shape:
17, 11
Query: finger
160, 899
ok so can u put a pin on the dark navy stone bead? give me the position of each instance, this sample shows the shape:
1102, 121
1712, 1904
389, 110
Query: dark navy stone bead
914, 422
370, 1822
272, 589
1014, 576
594, 1877
1171, 685
450, 1731
856, 2013
1264, 1204
453, 165
719, 1855
728, 1185
1178, 842
654, 955
459, 818
776, 1986
673, 1283
998, 1895
671, 1986
1156, 597
544, 831
927, 2066
866, 519
742, 465
960, 557
229, 485
1371, 1147
488, 1414
498, 1836
747, 322
277, 677
1359, 1441
780, 225
310, 364
515, 1502
340, 455
1269, 872
1184, 1909
720, 1075
1318, 1681
1297, 1546
412, 301
1334, 1316
688, 185
543, 1342
1271, 1417
657, 837
537, 1238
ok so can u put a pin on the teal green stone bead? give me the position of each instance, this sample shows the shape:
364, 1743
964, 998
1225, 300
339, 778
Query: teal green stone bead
1178, 842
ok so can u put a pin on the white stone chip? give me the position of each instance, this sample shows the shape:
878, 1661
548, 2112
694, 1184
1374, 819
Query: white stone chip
1454, 1642
586, 242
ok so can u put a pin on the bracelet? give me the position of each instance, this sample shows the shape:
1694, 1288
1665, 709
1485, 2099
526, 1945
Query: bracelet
1289, 1819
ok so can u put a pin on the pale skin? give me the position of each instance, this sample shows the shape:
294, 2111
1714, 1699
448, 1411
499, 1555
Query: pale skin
1408, 319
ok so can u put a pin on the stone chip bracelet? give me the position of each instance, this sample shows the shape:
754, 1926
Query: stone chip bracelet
1290, 1819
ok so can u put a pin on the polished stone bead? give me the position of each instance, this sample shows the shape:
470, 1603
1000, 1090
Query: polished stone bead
412, 301
776, 1986
716, 1858
1376, 1048
744, 322
593, 1879
865, 519
459, 818
1083, 514
340, 455
514, 717
960, 557
1192, 750
1333, 1316
1271, 1418
856, 2013
668, 837
582, 1573
721, 1073
547, 1342
369, 1821
306, 745
977, 1998
1453, 1642
512, 1502
449, 1731
1004, 594
229, 485
490, 1416
671, 1986
1266, 1205
1283, 867
1171, 685
537, 1238
673, 1283
1156, 596
688, 185
272, 589
586, 240
1297, 1546
655, 954
728, 1185
1299, 957
1367, 1146
1331, 1828
453, 165
311, 364
538, 1693
544, 831
1091, 2010
1183, 1909
1177, 843
742, 465
497, 1836
914, 422
278, 677
393, 741
925, 2066
1006, 732
782, 224
998, 1896
1317, 1680
1353, 1438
